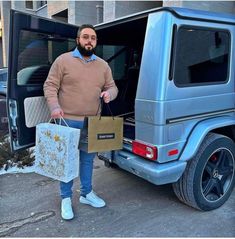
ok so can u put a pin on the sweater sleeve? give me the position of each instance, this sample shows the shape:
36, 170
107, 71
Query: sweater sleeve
52, 85
110, 84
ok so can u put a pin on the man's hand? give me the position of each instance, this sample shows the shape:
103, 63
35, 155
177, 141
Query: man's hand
106, 96
57, 113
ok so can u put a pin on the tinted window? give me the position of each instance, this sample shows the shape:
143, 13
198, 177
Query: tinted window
3, 76
116, 56
120, 59
202, 56
37, 51
125, 64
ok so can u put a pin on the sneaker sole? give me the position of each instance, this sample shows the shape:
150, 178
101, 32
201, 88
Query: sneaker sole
84, 201
67, 219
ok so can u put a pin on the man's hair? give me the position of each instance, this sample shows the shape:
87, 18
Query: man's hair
83, 26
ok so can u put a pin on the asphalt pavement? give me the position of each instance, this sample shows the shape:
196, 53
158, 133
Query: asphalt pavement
30, 207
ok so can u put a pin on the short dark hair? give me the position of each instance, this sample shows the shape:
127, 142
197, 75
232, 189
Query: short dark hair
83, 26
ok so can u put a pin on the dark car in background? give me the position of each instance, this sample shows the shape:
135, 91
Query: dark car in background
3, 81
3, 92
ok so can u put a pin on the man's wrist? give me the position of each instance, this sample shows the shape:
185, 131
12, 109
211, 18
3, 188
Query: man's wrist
55, 108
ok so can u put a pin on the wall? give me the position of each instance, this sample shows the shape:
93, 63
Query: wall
53, 7
81, 12
42, 11
115, 9
18, 5
128, 7
1, 54
215, 6
5, 18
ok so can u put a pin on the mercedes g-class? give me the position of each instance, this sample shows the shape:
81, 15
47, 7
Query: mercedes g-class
174, 68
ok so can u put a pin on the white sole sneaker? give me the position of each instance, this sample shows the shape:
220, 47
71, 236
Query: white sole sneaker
93, 200
66, 209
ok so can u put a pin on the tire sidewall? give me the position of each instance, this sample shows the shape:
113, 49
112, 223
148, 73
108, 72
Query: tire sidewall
201, 201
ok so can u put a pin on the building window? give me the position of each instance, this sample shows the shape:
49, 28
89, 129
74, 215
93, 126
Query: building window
202, 56
29, 4
42, 3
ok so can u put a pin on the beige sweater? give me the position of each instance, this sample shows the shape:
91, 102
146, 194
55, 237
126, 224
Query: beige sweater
75, 86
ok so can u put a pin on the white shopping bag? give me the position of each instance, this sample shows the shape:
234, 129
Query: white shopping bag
56, 151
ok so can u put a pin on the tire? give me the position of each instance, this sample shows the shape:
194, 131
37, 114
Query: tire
209, 177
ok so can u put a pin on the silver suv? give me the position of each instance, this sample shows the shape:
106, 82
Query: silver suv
174, 68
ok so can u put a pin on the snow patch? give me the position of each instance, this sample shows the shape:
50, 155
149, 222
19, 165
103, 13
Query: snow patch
15, 169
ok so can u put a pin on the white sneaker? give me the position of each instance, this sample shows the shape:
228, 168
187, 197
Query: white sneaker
92, 199
66, 209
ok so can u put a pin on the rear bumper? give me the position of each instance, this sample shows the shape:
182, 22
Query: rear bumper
151, 171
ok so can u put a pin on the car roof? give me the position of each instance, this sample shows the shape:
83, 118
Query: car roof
133, 26
183, 13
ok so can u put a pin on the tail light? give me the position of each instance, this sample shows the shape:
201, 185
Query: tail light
144, 150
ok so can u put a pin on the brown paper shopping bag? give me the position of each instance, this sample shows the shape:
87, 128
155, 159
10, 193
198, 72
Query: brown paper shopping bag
101, 133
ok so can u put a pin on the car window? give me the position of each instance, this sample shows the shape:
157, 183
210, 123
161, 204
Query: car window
3, 76
202, 56
37, 51
116, 57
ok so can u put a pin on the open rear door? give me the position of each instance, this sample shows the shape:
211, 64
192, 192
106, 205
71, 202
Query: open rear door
34, 44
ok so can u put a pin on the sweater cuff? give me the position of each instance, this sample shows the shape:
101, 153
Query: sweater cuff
54, 107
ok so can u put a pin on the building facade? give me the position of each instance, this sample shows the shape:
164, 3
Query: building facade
93, 12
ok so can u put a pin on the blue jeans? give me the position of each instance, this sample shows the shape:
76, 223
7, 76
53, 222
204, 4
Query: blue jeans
85, 168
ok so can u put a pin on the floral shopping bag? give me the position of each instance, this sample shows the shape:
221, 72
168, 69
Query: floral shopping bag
56, 151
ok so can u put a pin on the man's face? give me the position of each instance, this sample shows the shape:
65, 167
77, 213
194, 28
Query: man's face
87, 41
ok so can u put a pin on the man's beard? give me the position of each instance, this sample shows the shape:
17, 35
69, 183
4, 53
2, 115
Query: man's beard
84, 51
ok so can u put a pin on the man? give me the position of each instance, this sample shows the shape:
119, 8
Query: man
73, 88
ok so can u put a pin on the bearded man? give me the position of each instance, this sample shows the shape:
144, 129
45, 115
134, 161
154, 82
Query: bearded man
73, 88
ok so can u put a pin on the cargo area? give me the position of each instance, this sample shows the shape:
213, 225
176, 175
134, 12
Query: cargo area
123, 51
126, 75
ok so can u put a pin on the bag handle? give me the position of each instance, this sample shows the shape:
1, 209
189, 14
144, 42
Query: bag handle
101, 107
58, 123
61, 118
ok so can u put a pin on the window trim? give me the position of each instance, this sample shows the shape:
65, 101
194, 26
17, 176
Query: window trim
174, 50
